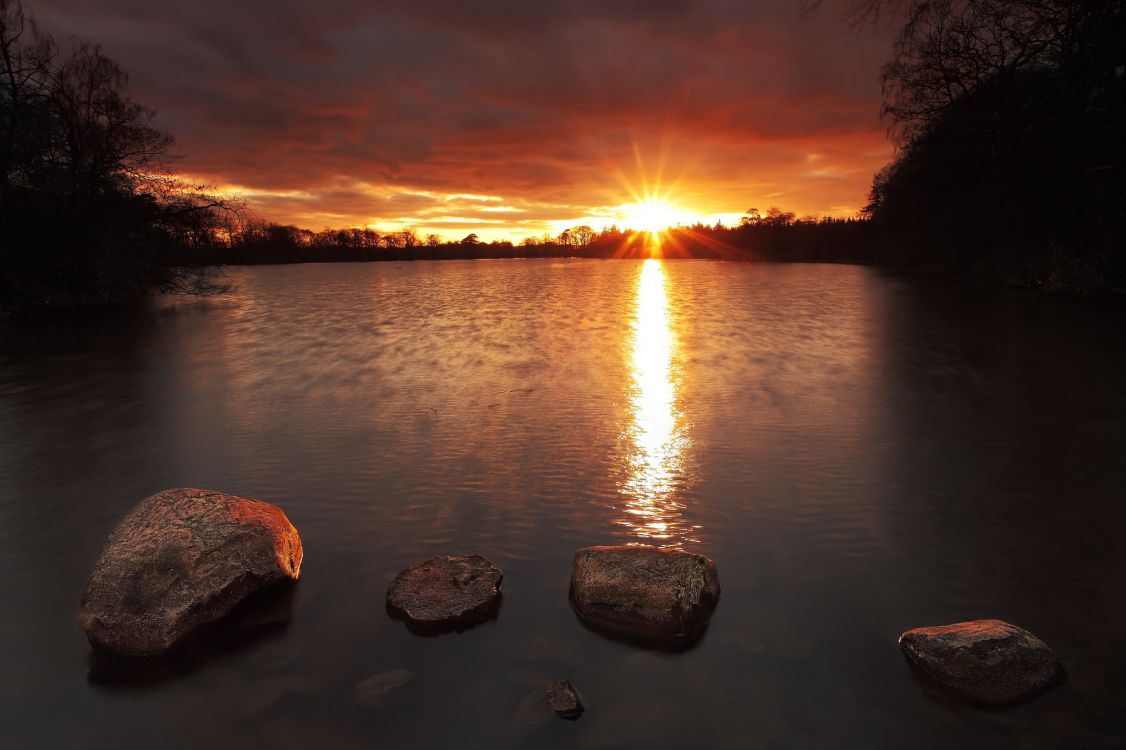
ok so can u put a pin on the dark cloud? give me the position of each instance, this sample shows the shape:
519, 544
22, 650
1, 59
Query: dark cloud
347, 111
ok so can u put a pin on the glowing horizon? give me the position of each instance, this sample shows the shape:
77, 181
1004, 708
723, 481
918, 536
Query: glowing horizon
510, 123
654, 211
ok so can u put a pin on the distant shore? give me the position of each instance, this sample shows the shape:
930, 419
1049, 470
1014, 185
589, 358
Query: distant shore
824, 241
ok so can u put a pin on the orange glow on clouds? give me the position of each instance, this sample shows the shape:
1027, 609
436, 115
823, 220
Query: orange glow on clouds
827, 184
504, 119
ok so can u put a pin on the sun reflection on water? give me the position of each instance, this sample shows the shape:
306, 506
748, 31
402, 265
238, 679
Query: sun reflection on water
656, 465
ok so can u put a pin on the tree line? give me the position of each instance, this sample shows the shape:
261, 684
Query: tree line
774, 236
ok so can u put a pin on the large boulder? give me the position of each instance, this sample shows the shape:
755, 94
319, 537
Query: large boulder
445, 593
985, 661
179, 560
665, 595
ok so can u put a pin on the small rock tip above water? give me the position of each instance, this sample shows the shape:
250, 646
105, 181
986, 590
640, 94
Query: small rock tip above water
563, 700
988, 662
445, 593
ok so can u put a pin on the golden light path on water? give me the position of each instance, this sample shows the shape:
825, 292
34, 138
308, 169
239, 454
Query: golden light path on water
656, 466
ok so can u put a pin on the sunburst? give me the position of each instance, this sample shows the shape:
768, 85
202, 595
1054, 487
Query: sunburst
651, 214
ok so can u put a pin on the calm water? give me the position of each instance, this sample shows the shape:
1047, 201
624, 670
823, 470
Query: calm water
859, 454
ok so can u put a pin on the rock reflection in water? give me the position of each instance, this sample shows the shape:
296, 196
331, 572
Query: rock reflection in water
263, 616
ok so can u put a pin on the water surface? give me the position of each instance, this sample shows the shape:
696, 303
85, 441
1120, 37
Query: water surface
859, 454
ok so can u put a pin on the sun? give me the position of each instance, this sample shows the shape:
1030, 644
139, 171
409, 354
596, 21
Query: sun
651, 215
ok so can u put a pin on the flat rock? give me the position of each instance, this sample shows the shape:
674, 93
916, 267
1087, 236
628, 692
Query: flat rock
179, 560
985, 661
644, 592
369, 692
445, 593
563, 701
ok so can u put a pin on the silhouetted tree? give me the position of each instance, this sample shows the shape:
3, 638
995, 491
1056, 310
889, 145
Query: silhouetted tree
582, 235
751, 218
776, 217
89, 212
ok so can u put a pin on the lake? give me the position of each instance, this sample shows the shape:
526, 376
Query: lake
859, 454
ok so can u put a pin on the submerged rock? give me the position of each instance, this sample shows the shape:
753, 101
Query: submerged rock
986, 661
445, 593
644, 592
530, 720
369, 692
563, 701
179, 560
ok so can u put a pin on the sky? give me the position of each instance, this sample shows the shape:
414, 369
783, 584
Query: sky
505, 118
